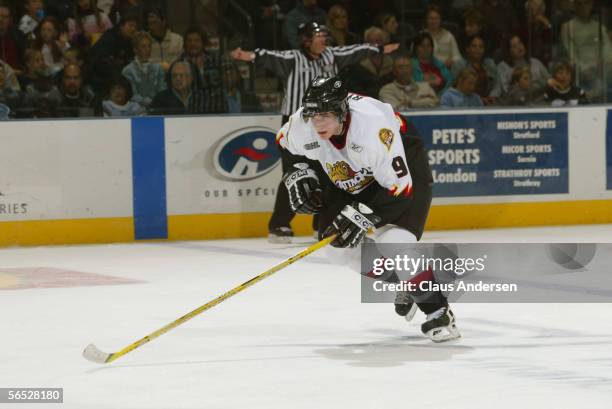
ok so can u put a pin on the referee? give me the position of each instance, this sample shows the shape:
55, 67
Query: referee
298, 68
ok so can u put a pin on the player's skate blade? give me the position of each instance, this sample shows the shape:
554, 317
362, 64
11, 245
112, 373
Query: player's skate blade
440, 326
405, 306
280, 235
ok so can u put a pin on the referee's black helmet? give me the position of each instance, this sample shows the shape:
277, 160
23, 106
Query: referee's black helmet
308, 30
325, 95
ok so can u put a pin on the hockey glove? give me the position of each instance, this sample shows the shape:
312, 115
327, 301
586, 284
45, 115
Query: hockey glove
351, 225
305, 195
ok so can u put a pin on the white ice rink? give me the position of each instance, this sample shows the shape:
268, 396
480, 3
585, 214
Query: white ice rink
299, 339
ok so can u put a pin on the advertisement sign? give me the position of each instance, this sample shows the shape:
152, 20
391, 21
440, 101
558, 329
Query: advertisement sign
496, 154
231, 165
609, 150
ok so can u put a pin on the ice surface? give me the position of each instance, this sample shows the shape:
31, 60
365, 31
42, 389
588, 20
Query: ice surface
299, 339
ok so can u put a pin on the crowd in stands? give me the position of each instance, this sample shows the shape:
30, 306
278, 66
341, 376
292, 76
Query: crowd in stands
79, 58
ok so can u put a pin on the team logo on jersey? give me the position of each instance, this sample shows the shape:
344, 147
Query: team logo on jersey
247, 153
386, 137
346, 178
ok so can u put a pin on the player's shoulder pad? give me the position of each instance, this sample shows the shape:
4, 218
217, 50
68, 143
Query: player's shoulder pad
376, 123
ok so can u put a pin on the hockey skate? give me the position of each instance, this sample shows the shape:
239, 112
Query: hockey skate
280, 235
405, 305
440, 325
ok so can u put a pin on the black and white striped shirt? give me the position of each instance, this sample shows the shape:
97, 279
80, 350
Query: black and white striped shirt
299, 69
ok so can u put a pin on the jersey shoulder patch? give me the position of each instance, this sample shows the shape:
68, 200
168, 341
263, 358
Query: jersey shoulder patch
385, 135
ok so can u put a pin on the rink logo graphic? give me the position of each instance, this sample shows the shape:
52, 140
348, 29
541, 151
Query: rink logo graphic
386, 137
246, 154
48, 277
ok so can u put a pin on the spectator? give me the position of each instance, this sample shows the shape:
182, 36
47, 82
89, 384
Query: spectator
586, 44
132, 8
237, 99
404, 93
522, 91
106, 6
10, 80
52, 42
35, 68
12, 40
462, 94
35, 12
119, 100
88, 23
473, 24
338, 25
181, 98
111, 53
537, 28
206, 69
514, 57
73, 56
444, 43
500, 19
561, 90
8, 95
167, 46
60, 9
77, 99
43, 97
488, 86
305, 11
388, 23
373, 71
426, 67
146, 77
268, 16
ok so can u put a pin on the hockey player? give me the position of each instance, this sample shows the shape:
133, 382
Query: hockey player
298, 68
377, 175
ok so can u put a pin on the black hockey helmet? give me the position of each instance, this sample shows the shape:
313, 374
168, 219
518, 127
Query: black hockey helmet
308, 30
325, 95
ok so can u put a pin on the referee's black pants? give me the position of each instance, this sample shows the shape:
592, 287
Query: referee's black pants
282, 213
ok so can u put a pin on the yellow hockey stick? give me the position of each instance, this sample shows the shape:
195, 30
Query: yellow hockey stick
92, 353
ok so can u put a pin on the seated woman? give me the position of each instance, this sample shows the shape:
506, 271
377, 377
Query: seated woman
488, 86
462, 94
445, 45
52, 42
147, 78
35, 68
338, 25
425, 67
515, 57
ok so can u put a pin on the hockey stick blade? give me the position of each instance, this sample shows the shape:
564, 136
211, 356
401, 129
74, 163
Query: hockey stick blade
93, 354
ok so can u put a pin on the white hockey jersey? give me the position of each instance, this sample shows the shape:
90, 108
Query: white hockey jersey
373, 149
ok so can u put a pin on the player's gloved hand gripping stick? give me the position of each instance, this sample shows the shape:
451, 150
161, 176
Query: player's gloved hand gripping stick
92, 353
351, 225
305, 195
